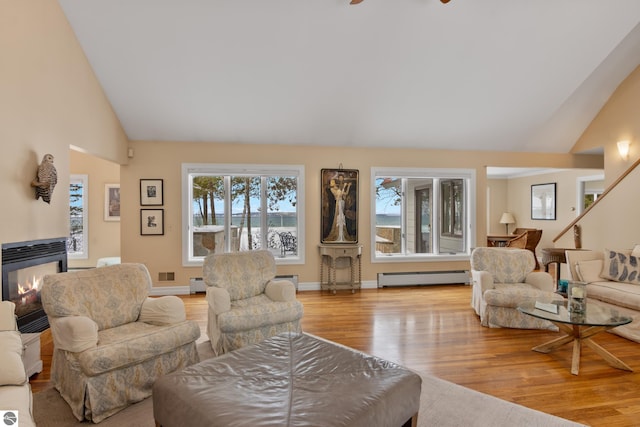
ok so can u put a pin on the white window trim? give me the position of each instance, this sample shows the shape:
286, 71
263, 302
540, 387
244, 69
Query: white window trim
240, 169
469, 175
84, 179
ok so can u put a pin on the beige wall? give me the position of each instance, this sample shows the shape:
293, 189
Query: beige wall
104, 236
516, 192
50, 100
163, 160
613, 221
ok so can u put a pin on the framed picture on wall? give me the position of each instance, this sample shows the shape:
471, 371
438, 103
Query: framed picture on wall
543, 201
152, 222
112, 202
151, 192
339, 204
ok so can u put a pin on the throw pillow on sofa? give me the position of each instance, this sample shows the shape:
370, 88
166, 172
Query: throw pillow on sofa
621, 267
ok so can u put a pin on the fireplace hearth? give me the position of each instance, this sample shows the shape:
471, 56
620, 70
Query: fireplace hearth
24, 264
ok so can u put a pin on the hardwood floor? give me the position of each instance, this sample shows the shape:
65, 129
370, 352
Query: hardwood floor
433, 329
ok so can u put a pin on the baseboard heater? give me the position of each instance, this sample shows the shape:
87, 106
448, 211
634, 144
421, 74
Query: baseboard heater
196, 284
423, 278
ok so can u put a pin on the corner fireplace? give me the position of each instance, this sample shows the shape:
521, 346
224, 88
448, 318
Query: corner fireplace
24, 264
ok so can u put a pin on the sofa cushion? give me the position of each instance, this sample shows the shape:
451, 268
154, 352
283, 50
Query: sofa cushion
621, 267
12, 369
134, 343
616, 293
18, 398
589, 271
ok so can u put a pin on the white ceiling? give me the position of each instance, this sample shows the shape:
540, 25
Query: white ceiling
509, 75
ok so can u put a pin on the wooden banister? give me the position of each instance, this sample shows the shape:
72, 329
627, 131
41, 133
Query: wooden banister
602, 196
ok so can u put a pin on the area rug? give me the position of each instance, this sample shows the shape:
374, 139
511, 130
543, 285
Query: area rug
442, 404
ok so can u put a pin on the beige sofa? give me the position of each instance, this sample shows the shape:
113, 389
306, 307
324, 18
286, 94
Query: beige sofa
111, 341
15, 391
613, 280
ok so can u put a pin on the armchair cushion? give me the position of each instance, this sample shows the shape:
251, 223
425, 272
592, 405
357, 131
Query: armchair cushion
12, 372
163, 310
74, 333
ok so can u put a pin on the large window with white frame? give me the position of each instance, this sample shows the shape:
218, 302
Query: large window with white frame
78, 240
230, 208
422, 214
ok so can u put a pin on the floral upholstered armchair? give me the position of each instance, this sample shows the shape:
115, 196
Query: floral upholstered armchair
111, 341
503, 279
246, 303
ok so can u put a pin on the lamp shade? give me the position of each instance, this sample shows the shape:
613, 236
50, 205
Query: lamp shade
506, 219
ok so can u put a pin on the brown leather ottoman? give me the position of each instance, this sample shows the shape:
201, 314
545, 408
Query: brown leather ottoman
289, 380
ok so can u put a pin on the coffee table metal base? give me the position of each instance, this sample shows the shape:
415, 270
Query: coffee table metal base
581, 335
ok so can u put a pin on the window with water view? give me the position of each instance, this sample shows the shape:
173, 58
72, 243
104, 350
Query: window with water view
243, 208
421, 213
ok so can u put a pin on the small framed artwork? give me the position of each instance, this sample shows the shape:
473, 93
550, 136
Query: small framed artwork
543, 201
112, 202
151, 192
151, 222
339, 204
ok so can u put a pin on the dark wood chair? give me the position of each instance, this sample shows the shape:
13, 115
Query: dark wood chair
527, 239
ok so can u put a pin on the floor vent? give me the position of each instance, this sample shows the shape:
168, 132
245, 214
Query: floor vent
423, 278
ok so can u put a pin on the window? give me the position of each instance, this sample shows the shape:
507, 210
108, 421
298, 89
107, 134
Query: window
77, 242
230, 208
422, 214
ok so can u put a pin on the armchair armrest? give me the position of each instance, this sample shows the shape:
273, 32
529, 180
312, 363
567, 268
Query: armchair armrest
280, 290
8, 316
219, 299
540, 280
164, 310
74, 333
483, 279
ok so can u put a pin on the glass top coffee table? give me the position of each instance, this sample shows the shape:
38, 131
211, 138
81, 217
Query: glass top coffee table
579, 329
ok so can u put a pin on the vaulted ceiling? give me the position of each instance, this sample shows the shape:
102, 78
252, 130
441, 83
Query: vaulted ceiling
508, 75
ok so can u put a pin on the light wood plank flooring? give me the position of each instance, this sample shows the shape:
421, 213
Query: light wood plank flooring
433, 329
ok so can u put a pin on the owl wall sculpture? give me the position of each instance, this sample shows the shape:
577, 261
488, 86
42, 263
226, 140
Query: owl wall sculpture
46, 179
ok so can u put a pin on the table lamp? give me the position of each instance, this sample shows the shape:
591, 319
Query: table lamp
506, 219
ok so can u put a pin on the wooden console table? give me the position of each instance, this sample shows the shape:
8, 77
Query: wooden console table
332, 258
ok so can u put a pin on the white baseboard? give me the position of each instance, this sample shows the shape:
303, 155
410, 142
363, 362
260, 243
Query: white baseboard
186, 290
